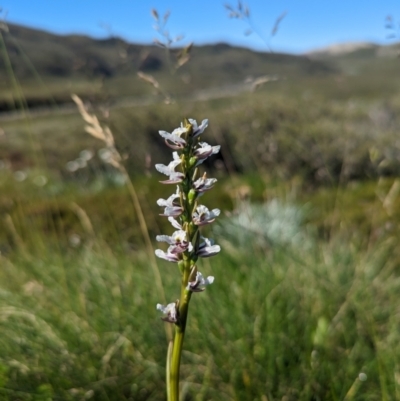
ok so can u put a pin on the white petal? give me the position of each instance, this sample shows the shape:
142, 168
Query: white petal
174, 223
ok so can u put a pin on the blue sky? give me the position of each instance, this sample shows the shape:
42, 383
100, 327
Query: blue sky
309, 24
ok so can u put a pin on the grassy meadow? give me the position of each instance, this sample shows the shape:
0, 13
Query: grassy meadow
305, 304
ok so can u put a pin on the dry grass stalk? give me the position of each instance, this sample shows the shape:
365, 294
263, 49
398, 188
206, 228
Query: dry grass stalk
148, 78
183, 56
13, 232
95, 129
152, 81
85, 222
257, 83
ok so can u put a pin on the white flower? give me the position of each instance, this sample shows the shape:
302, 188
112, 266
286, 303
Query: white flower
174, 177
170, 310
204, 151
200, 283
204, 184
207, 248
178, 241
174, 140
197, 130
171, 208
171, 257
203, 216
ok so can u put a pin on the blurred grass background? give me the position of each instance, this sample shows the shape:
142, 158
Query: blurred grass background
305, 303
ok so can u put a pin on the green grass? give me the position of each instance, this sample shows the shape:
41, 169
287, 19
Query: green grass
324, 140
279, 322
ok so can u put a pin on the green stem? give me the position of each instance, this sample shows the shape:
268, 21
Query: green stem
168, 369
173, 379
175, 364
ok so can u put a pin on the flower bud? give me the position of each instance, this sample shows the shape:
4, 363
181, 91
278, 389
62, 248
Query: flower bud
192, 162
192, 195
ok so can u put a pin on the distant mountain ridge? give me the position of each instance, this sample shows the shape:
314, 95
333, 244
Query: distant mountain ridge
57, 55
48, 66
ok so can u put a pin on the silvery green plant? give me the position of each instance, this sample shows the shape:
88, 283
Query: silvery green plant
186, 244
274, 223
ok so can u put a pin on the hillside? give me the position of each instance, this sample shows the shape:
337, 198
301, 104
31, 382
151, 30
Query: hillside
50, 66
360, 58
81, 56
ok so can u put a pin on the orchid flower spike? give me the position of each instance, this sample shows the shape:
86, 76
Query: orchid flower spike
187, 216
